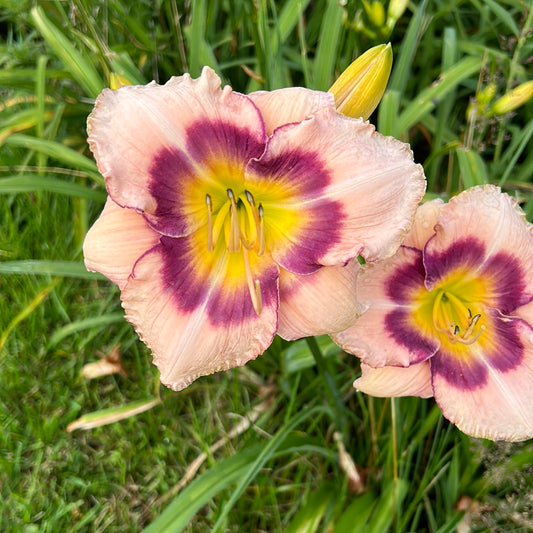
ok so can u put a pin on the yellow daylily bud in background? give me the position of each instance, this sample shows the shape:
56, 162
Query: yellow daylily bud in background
513, 99
360, 87
116, 81
480, 105
395, 11
375, 11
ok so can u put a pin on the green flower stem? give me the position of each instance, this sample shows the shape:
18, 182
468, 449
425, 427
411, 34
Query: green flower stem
332, 390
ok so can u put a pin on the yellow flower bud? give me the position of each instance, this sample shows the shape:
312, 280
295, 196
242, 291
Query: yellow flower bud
375, 12
513, 99
116, 81
360, 87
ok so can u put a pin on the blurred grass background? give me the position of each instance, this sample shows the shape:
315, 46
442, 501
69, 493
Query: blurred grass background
452, 61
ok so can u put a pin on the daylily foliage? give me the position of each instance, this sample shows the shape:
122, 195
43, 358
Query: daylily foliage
231, 218
450, 315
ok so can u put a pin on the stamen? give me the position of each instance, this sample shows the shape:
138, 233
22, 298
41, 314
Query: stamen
210, 243
234, 240
254, 287
250, 198
460, 326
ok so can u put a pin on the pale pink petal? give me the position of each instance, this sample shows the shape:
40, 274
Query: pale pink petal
194, 311
318, 304
485, 218
363, 190
144, 139
117, 239
386, 334
494, 400
292, 104
393, 381
424, 224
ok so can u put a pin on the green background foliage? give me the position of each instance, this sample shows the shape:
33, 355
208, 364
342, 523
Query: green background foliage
452, 61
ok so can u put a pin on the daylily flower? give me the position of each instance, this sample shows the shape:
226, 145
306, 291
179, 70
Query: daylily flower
450, 315
231, 218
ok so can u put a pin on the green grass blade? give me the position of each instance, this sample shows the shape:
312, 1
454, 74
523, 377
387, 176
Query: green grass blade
266, 453
29, 183
219, 477
81, 69
326, 53
472, 167
402, 67
388, 112
388, 506
355, 516
308, 518
426, 101
81, 325
69, 269
57, 151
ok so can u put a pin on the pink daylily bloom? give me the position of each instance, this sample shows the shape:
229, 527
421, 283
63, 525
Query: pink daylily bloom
450, 315
231, 217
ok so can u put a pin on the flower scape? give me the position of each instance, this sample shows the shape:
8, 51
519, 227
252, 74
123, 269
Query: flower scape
231, 218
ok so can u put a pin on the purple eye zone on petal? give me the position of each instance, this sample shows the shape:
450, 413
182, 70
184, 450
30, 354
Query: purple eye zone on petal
171, 170
467, 253
297, 173
505, 354
406, 279
208, 138
401, 286
168, 173
187, 289
508, 279
225, 308
398, 327
298, 176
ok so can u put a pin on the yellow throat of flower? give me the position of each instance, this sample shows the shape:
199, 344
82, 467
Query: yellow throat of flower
238, 225
453, 310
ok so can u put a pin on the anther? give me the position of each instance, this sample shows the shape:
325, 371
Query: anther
250, 198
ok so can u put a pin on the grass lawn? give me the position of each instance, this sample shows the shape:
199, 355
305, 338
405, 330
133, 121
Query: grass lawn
263, 447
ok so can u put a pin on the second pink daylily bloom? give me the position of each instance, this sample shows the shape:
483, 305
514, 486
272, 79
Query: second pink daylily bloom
231, 218
450, 315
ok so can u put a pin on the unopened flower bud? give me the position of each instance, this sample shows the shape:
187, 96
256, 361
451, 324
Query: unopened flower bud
513, 99
360, 87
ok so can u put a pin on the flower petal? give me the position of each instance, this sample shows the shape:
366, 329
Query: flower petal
393, 381
157, 144
318, 304
350, 189
292, 104
193, 308
387, 333
488, 393
117, 239
423, 224
483, 232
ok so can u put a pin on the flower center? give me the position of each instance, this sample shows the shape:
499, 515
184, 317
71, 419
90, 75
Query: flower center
453, 317
238, 225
